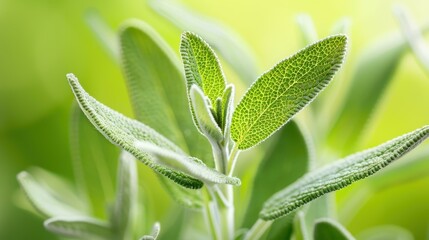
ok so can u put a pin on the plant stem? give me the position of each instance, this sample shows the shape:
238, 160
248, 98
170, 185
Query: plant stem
210, 214
258, 229
232, 159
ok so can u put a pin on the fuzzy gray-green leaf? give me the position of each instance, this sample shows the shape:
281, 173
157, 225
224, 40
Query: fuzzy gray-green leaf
125, 132
191, 166
46, 200
340, 174
126, 196
202, 66
205, 121
79, 227
94, 163
157, 87
231, 47
328, 229
284, 90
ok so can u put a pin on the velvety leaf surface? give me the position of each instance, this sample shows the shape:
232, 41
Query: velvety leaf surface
203, 115
125, 132
284, 90
157, 88
157, 92
340, 174
202, 67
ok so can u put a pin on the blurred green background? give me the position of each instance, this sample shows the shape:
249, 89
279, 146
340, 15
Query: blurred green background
42, 40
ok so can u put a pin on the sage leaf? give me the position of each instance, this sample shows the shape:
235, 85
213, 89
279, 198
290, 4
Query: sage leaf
151, 70
125, 132
104, 34
48, 201
189, 165
126, 196
287, 158
157, 87
155, 232
204, 117
79, 227
202, 66
94, 163
232, 48
227, 109
328, 229
372, 74
340, 174
413, 35
284, 90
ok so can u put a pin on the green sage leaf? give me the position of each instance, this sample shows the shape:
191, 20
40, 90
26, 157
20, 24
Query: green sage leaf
125, 132
203, 116
189, 165
126, 196
328, 229
284, 90
157, 87
202, 66
47, 200
227, 109
157, 91
231, 48
94, 163
79, 227
340, 174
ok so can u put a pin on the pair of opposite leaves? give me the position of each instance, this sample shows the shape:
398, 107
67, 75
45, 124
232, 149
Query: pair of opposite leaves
269, 103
